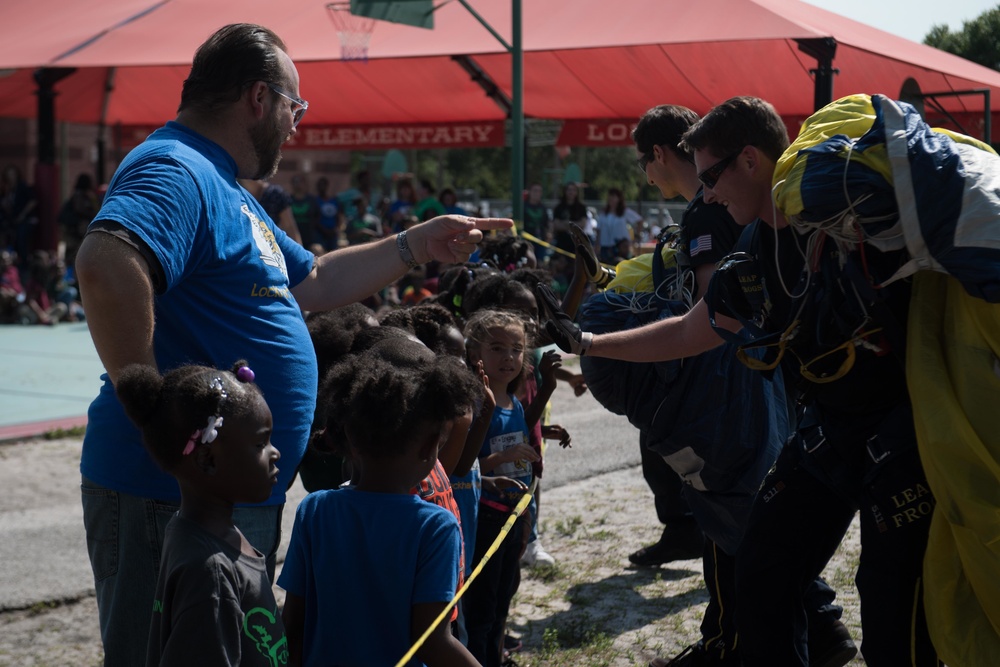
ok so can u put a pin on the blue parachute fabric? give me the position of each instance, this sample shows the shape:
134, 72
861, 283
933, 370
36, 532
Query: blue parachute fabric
719, 424
952, 189
623, 387
723, 517
735, 420
934, 192
826, 164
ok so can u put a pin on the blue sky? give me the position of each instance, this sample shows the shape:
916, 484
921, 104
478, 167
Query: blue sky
911, 19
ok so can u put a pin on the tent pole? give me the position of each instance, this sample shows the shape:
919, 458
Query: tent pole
517, 117
47, 169
823, 50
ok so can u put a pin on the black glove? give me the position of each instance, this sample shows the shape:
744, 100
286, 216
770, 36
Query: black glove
558, 325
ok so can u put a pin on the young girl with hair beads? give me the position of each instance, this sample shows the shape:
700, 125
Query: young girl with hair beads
371, 566
211, 430
496, 341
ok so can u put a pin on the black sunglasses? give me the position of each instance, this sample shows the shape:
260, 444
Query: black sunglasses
710, 176
643, 162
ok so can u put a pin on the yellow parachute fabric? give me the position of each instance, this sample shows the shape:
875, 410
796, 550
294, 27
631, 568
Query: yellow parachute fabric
953, 374
636, 274
965, 139
852, 116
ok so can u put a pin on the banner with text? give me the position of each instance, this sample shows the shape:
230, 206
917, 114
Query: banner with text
618, 132
473, 134
483, 134
599, 132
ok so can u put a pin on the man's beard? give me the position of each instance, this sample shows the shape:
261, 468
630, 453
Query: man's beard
267, 138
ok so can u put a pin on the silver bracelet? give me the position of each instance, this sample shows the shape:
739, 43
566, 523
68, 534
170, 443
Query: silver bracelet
405, 254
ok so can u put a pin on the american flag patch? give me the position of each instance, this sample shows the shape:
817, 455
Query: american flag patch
700, 244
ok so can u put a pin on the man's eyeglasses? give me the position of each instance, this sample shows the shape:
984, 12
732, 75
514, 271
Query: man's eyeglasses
643, 162
299, 106
827, 367
710, 176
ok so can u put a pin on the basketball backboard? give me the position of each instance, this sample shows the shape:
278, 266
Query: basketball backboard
418, 13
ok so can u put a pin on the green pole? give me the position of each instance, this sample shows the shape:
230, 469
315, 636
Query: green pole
517, 117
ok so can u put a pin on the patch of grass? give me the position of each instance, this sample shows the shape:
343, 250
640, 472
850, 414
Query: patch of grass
550, 643
60, 433
547, 573
40, 608
579, 632
567, 527
576, 642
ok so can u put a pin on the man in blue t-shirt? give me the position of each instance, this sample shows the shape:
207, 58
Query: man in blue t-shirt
182, 265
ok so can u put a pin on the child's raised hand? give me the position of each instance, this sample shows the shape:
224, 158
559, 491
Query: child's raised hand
520, 452
550, 362
557, 432
579, 384
489, 400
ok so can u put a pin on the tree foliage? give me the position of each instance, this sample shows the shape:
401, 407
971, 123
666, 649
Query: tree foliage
978, 40
487, 171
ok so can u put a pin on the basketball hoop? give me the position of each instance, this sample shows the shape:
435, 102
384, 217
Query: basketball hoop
354, 32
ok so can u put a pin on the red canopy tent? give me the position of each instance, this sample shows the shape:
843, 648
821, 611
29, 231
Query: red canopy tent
590, 59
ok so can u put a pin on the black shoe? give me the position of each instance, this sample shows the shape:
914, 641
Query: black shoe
680, 541
833, 648
581, 240
592, 267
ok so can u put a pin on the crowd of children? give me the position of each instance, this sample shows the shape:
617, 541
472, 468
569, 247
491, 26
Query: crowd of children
428, 432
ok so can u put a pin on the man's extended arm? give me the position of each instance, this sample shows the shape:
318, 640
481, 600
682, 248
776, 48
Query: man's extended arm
118, 292
672, 338
350, 274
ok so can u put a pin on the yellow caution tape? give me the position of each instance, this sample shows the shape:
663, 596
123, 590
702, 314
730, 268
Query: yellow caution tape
516, 512
546, 244
535, 239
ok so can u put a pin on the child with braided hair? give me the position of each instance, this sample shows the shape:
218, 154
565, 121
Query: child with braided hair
211, 430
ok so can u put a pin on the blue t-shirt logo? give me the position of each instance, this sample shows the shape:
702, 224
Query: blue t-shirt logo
270, 253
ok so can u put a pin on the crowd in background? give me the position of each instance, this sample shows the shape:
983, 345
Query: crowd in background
322, 221
38, 285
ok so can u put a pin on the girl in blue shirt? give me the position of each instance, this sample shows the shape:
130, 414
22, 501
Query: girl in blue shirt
496, 341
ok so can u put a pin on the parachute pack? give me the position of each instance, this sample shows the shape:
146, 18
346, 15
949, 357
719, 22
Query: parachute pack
937, 194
